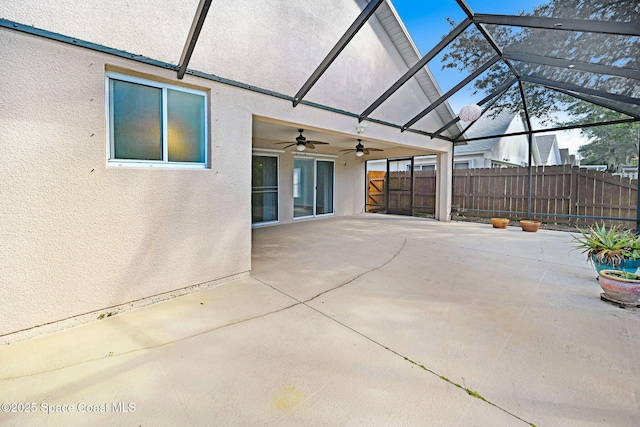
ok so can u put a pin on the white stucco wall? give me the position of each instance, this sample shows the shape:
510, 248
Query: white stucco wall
78, 236
154, 29
273, 45
513, 148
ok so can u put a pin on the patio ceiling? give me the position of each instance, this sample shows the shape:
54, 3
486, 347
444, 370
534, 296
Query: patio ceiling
266, 133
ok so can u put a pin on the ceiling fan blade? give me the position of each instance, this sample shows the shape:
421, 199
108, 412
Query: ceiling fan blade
374, 149
318, 142
290, 145
310, 145
366, 151
283, 142
348, 151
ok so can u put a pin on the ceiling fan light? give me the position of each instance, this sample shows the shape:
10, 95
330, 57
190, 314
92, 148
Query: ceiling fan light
359, 153
300, 147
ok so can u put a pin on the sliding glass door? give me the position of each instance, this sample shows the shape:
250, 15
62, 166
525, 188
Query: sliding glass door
264, 189
324, 187
303, 187
313, 187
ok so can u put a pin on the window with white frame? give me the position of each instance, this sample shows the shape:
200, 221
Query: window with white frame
155, 124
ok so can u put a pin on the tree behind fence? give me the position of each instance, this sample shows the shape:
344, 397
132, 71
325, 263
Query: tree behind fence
559, 194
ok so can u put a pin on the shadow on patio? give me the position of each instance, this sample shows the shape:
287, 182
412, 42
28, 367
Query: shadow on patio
362, 320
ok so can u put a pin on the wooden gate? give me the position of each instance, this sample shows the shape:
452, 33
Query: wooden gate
376, 192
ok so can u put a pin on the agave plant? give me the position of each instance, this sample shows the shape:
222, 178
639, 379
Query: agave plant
608, 245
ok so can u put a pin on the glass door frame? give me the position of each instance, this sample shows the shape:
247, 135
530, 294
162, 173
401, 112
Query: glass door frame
315, 187
267, 154
388, 189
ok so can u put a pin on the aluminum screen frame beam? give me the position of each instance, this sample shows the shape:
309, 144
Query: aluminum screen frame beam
574, 65
487, 36
459, 138
599, 103
561, 128
495, 95
50, 35
574, 88
417, 67
192, 38
530, 147
364, 16
560, 24
453, 90
457, 141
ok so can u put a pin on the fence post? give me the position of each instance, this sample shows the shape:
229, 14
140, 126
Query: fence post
530, 135
468, 190
573, 194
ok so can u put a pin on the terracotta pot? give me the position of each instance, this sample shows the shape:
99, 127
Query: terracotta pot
499, 222
618, 288
531, 226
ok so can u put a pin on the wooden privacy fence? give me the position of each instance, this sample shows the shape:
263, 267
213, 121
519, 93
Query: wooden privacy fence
559, 194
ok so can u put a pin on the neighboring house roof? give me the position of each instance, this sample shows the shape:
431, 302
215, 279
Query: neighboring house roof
486, 125
400, 37
545, 145
568, 159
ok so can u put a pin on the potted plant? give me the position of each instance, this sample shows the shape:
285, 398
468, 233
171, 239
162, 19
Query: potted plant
499, 222
529, 225
610, 248
620, 286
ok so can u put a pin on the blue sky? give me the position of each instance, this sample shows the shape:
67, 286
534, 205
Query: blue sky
426, 20
427, 24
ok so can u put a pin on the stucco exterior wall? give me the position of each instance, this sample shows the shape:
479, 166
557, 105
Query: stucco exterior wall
350, 194
80, 236
273, 45
77, 235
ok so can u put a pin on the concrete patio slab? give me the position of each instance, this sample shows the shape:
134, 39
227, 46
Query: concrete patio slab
363, 320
